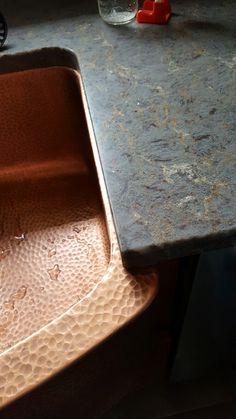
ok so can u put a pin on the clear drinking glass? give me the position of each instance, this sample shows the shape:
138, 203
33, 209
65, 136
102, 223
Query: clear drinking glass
117, 12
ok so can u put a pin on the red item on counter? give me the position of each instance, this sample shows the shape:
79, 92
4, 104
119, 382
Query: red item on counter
154, 12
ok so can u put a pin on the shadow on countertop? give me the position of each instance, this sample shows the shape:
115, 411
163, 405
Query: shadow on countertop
186, 15
29, 12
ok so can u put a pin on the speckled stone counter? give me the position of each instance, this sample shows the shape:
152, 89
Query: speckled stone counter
163, 105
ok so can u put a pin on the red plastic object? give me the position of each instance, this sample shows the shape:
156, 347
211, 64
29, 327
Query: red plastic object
154, 12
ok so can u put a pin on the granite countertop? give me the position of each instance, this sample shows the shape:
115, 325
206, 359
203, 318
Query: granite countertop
163, 105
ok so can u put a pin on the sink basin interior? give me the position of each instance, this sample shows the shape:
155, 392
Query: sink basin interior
54, 245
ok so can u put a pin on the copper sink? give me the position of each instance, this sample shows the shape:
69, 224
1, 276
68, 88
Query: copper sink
63, 288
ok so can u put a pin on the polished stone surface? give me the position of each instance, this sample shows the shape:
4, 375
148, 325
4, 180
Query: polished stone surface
163, 105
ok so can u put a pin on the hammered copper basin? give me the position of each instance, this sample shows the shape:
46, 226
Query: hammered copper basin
54, 246
62, 290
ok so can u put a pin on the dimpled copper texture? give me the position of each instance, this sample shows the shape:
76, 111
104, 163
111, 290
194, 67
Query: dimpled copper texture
63, 288
54, 246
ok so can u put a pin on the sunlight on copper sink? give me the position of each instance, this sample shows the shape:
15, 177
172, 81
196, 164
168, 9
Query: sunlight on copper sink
63, 288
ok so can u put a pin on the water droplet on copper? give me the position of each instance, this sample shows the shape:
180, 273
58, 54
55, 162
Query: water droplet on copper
4, 253
77, 229
19, 294
9, 305
54, 272
52, 252
20, 238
